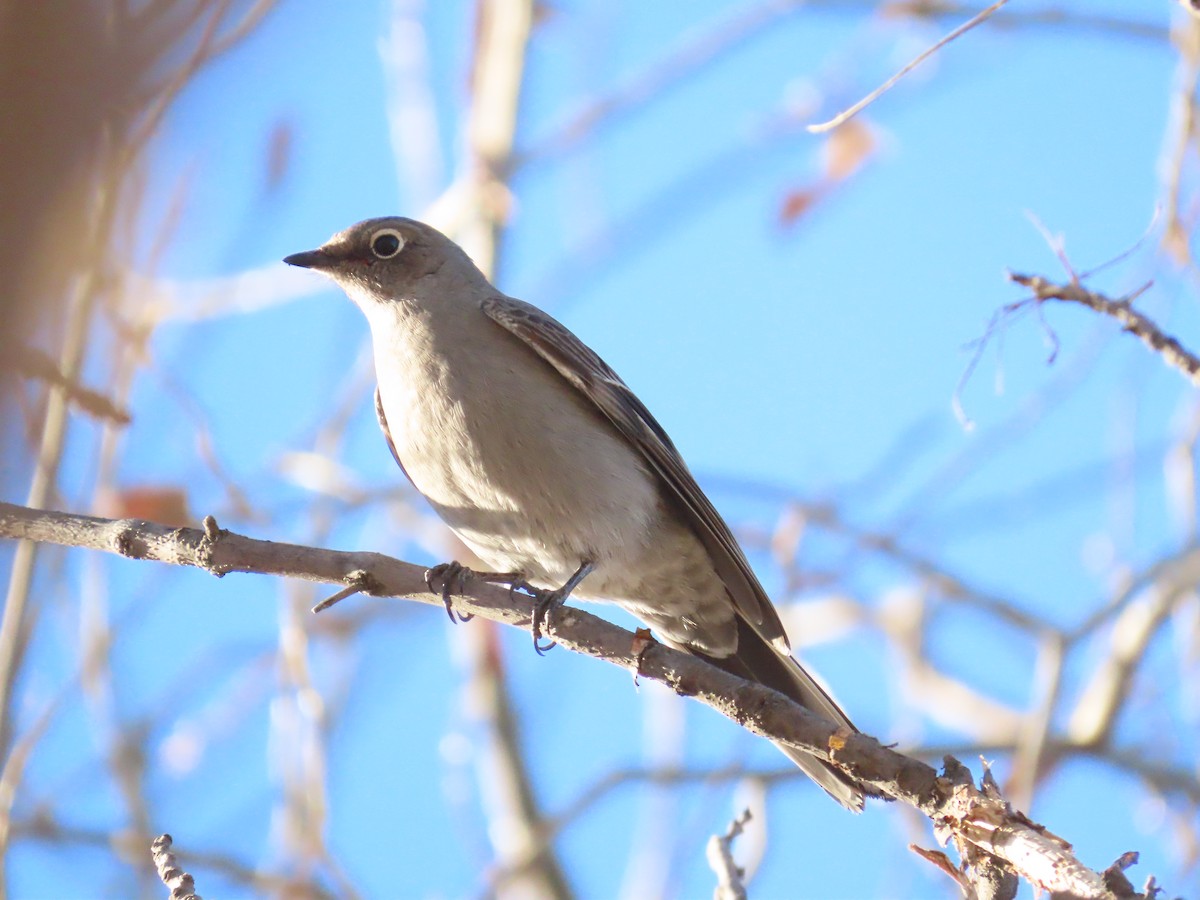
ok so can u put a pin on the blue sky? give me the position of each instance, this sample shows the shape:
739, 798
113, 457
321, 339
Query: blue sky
816, 360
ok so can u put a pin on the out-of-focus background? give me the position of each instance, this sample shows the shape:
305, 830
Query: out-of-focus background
978, 520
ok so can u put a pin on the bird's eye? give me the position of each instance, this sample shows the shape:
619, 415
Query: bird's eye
386, 243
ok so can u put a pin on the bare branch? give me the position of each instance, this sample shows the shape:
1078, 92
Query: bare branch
1136, 323
182, 886
959, 811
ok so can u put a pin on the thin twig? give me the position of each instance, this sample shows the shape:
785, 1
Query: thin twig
866, 101
1141, 326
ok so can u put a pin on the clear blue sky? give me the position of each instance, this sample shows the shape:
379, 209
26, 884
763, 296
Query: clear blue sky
810, 358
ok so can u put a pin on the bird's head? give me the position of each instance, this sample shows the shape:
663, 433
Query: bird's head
384, 260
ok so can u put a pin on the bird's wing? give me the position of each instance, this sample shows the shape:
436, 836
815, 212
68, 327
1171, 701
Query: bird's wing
387, 433
588, 373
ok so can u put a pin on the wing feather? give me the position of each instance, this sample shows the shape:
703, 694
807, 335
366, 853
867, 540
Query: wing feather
592, 377
387, 433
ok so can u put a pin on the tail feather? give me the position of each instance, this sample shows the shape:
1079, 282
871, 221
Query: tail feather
757, 660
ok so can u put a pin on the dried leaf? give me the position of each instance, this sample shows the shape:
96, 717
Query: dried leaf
847, 149
165, 505
797, 203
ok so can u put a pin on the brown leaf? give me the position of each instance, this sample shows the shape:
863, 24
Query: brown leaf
643, 640
165, 505
279, 153
847, 149
797, 203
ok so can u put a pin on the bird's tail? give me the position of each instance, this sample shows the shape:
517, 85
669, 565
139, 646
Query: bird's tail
757, 660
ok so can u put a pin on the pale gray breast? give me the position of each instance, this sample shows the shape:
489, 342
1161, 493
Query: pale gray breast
509, 454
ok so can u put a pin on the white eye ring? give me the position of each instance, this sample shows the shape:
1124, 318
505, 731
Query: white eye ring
382, 247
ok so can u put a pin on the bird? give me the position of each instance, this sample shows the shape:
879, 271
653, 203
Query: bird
550, 469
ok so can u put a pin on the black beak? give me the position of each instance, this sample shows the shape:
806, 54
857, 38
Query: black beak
310, 259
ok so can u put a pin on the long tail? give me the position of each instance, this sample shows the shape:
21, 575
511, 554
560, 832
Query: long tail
757, 660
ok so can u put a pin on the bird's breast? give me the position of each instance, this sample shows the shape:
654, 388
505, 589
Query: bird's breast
512, 457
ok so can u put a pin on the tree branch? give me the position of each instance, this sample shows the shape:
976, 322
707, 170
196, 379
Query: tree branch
1136, 323
977, 820
182, 885
731, 880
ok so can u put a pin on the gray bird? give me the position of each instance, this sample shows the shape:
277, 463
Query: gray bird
548, 466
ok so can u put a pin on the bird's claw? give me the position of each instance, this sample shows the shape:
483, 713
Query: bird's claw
546, 603
453, 577
543, 602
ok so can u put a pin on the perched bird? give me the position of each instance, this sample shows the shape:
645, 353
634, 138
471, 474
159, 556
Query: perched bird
548, 466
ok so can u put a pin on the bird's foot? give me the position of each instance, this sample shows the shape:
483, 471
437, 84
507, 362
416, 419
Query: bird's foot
547, 602
451, 578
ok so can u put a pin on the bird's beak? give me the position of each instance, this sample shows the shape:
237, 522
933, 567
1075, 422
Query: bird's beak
310, 259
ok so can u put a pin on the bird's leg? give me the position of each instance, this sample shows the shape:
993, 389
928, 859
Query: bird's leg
453, 576
548, 601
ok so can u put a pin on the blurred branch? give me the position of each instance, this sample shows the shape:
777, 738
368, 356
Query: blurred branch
525, 867
1181, 135
1162, 778
502, 31
404, 50
959, 811
14, 767
14, 627
1104, 696
1181, 568
846, 115
1054, 17
249, 291
262, 883
711, 42
215, 37
731, 880
944, 699
303, 714
33, 363
680, 200
1034, 733
701, 47
525, 857
82, 90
